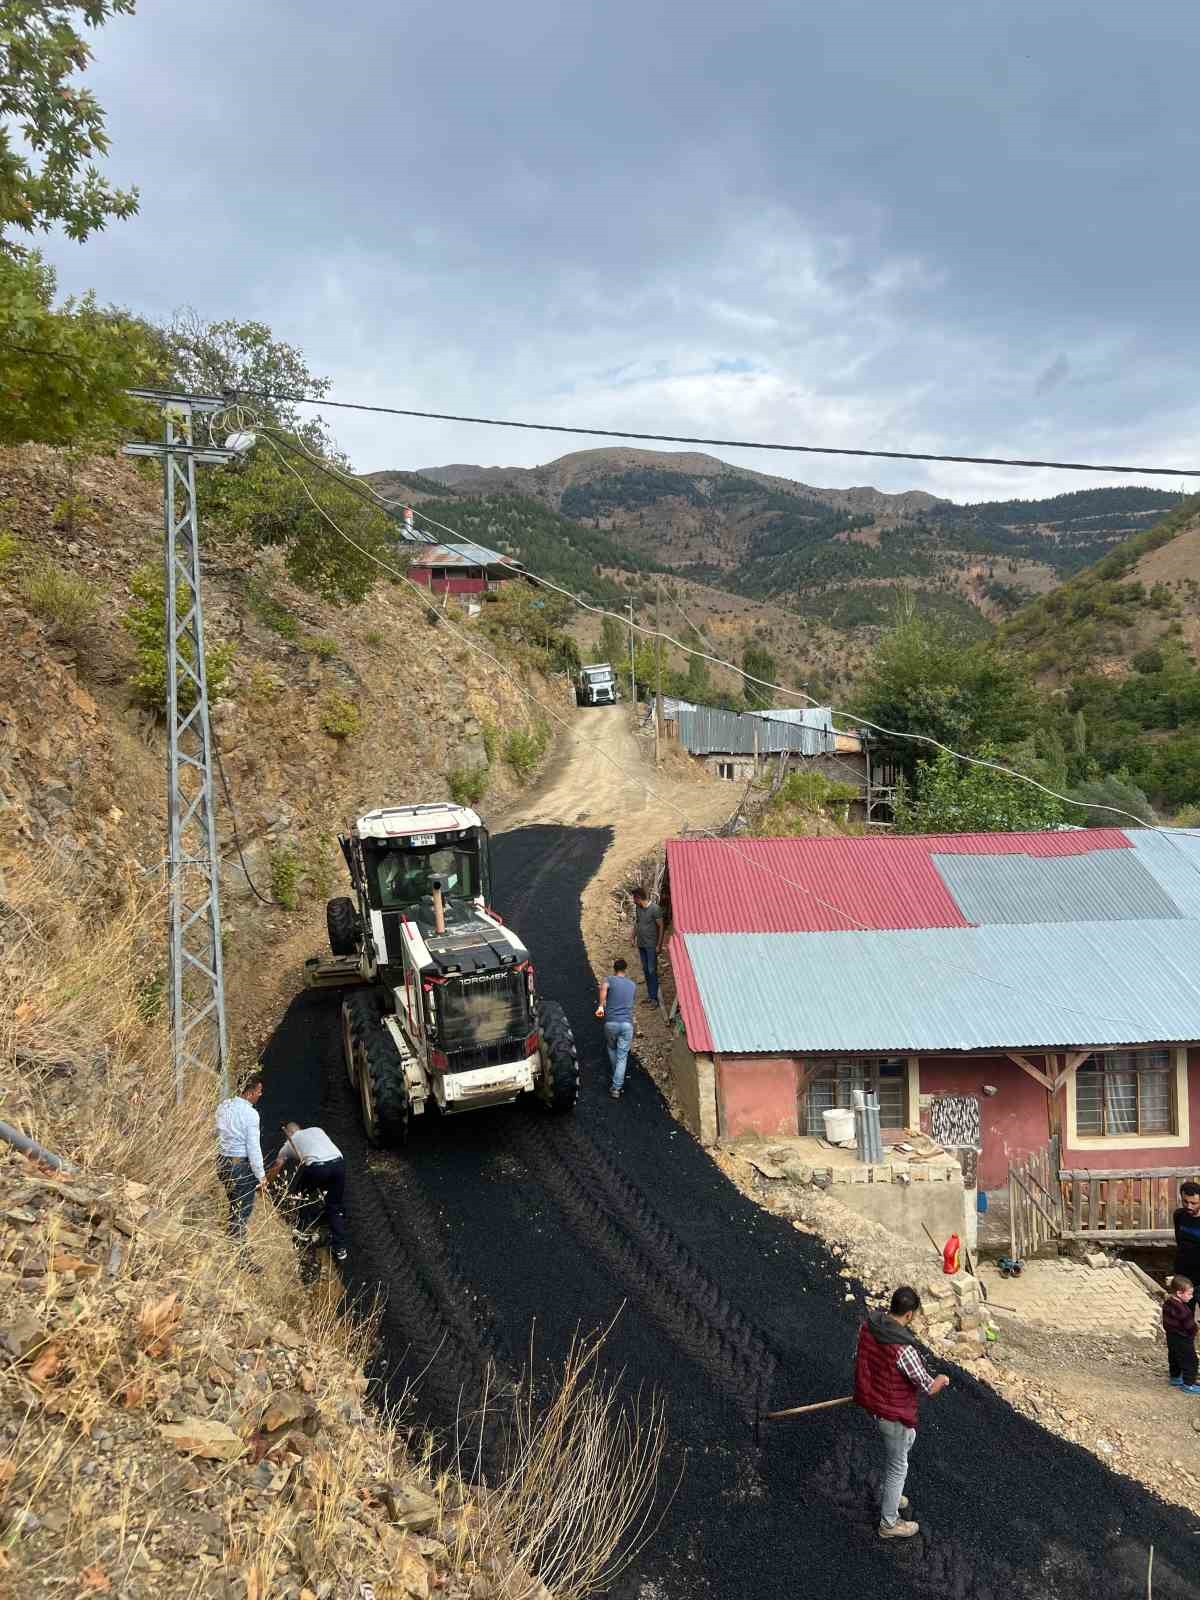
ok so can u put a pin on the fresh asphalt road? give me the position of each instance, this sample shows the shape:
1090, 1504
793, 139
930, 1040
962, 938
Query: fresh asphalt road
489, 1230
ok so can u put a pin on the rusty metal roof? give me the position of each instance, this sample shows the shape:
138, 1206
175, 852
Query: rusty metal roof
463, 555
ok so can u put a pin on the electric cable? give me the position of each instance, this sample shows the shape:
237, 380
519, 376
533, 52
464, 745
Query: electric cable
776, 688
849, 716
641, 783
727, 444
237, 842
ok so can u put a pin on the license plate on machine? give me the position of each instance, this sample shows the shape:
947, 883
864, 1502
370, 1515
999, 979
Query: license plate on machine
422, 838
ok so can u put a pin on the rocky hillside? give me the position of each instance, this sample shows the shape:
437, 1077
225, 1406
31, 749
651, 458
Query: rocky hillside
1142, 596
324, 711
834, 555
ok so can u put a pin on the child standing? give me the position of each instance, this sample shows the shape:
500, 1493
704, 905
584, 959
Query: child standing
1179, 1324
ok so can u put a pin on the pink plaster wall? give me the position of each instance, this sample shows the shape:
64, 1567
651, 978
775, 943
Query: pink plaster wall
1148, 1155
1014, 1122
756, 1094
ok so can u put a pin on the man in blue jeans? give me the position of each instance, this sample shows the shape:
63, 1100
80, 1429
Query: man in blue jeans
239, 1155
648, 936
617, 995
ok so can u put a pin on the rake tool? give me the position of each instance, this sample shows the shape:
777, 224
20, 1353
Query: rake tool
796, 1411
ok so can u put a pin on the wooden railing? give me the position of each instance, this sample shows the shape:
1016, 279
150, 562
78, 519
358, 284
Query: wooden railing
1120, 1203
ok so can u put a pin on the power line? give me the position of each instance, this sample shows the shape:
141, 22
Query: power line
727, 444
640, 782
777, 688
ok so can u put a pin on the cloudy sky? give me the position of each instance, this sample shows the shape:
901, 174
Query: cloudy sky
966, 228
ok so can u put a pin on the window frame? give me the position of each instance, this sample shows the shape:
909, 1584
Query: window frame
1177, 1075
815, 1069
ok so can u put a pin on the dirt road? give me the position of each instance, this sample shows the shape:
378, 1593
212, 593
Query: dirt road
602, 774
489, 1228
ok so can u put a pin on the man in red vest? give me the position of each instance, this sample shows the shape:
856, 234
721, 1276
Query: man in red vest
889, 1375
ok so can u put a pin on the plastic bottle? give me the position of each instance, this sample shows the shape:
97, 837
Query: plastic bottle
950, 1253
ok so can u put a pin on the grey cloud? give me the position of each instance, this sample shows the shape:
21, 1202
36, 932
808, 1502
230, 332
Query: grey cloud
866, 222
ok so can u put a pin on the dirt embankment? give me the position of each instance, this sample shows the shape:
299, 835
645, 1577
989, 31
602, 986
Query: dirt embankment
82, 766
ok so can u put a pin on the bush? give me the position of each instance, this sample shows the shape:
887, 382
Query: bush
1114, 790
69, 602
285, 876
523, 749
9, 545
320, 865
270, 611
467, 785
1147, 661
323, 649
340, 718
146, 621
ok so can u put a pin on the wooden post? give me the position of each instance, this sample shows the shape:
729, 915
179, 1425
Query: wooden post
632, 667
658, 706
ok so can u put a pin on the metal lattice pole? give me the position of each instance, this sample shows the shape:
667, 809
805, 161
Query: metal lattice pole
195, 974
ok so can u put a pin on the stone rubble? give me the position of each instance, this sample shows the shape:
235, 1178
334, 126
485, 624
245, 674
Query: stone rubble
160, 1437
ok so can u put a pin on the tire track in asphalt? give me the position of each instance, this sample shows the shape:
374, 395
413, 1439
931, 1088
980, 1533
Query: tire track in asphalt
500, 1217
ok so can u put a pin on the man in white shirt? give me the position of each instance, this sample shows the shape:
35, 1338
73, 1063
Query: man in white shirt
239, 1154
320, 1169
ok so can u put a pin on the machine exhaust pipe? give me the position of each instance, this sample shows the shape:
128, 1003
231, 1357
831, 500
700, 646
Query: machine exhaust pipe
439, 907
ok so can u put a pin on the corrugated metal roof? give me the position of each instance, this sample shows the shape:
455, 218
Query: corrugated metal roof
1009, 986
707, 730
836, 885
1103, 886
1173, 860
803, 716
463, 555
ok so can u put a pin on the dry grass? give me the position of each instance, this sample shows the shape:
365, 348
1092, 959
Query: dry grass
135, 1335
575, 1500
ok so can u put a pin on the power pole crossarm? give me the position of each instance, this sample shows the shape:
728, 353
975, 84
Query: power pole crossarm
196, 980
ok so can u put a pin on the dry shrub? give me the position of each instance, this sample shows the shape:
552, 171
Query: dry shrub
81, 1021
577, 1494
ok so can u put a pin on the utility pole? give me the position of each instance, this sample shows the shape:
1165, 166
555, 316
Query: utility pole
195, 973
632, 666
658, 706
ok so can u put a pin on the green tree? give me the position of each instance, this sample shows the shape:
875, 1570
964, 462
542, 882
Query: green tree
949, 796
214, 357
64, 372
278, 499
697, 685
923, 680
614, 643
535, 619
758, 662
49, 129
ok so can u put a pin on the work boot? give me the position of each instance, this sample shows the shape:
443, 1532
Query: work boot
900, 1530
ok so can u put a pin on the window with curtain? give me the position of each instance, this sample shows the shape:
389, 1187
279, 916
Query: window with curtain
1124, 1092
835, 1082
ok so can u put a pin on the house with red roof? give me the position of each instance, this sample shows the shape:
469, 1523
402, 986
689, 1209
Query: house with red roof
996, 991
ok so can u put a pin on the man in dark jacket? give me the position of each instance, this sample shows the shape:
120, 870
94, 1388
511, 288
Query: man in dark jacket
1187, 1232
889, 1377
